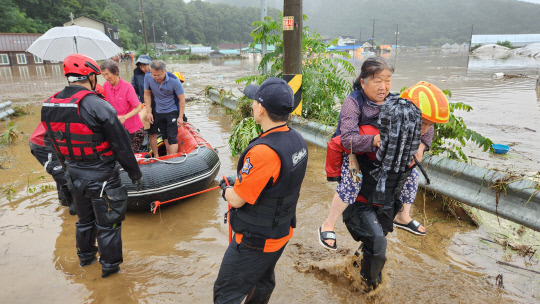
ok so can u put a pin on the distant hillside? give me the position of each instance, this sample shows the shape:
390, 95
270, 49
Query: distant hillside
421, 22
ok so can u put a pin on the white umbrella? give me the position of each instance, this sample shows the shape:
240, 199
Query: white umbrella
59, 42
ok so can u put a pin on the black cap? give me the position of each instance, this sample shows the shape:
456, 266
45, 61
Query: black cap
274, 94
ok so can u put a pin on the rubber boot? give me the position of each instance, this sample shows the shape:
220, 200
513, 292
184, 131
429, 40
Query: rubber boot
371, 269
110, 249
85, 238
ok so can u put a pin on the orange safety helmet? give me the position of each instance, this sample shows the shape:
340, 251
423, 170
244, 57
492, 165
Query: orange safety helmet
431, 101
179, 76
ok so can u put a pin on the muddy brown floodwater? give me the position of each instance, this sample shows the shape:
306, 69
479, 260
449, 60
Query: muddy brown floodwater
174, 255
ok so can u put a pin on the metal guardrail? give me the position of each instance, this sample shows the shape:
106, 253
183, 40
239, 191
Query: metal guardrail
6, 110
515, 199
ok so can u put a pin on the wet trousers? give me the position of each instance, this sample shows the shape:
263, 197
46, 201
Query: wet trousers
246, 272
48, 160
98, 219
365, 226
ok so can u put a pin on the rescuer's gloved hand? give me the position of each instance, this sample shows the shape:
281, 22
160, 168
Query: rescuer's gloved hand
226, 182
137, 183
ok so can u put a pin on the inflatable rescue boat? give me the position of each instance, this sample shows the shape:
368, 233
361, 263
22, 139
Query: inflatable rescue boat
190, 170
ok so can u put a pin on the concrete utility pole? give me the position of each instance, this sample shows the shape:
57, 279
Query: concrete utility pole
292, 49
395, 54
373, 36
263, 44
145, 40
154, 33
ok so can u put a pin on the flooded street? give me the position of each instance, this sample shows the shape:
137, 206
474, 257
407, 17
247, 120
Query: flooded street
174, 255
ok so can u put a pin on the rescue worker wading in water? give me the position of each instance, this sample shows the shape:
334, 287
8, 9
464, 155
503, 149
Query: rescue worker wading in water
263, 198
89, 139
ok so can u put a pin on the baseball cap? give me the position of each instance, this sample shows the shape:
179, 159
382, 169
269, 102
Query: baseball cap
274, 94
144, 59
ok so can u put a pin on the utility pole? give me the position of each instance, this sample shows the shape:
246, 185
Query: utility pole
397, 33
373, 36
470, 39
263, 44
145, 39
154, 32
292, 49
240, 40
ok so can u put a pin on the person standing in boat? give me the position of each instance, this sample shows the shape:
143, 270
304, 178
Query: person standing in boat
123, 98
168, 117
263, 197
137, 81
90, 141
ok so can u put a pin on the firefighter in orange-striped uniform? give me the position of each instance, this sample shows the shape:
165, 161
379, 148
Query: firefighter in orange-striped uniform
90, 141
263, 197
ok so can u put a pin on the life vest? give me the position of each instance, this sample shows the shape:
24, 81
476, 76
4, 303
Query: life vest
274, 211
38, 137
335, 150
68, 133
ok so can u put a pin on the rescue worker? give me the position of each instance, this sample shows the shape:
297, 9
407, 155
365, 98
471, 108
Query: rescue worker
263, 197
40, 147
89, 139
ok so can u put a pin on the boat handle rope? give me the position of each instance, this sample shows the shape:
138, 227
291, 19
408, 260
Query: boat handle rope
175, 162
154, 205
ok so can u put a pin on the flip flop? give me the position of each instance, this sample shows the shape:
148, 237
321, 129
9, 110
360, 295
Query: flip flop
412, 227
327, 235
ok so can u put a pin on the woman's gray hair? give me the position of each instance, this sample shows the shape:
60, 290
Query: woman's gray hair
109, 65
370, 67
158, 65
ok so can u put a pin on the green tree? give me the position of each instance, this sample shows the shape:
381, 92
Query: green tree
12, 20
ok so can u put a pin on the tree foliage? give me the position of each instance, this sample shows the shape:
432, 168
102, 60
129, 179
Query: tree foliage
324, 73
421, 22
324, 81
452, 137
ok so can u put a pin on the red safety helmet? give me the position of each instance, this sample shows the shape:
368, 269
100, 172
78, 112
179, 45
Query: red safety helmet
80, 64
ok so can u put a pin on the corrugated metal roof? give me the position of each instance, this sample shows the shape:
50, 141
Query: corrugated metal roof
16, 42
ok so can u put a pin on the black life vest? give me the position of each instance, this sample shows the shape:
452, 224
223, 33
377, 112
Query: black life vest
274, 211
68, 133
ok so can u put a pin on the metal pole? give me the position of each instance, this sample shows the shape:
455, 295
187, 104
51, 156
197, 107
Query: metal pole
263, 44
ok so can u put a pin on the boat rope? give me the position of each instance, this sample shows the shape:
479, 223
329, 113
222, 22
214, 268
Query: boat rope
185, 155
154, 205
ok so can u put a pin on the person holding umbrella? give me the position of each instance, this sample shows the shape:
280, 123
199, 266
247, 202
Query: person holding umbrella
89, 140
